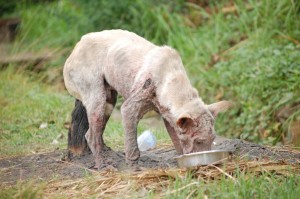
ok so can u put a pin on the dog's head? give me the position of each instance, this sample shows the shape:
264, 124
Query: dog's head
196, 129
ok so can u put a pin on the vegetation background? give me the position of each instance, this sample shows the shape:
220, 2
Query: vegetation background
246, 51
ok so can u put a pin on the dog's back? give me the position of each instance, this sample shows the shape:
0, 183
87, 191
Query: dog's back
115, 54
122, 58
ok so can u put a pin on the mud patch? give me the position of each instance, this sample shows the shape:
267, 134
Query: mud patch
253, 151
156, 158
51, 165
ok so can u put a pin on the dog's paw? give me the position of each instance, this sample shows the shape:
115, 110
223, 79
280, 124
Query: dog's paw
134, 166
105, 164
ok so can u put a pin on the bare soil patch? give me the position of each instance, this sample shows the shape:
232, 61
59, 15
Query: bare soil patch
53, 164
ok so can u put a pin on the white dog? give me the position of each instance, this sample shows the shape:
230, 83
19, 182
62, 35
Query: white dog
149, 77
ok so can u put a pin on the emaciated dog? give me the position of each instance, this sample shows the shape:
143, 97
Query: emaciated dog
148, 77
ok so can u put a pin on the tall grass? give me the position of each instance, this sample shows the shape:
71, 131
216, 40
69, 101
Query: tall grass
249, 56
25, 105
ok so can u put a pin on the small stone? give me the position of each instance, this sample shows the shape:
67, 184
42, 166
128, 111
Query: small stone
43, 125
54, 142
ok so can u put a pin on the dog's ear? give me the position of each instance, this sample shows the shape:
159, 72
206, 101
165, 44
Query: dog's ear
218, 107
184, 121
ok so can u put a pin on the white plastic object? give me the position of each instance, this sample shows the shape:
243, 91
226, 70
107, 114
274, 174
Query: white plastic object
146, 141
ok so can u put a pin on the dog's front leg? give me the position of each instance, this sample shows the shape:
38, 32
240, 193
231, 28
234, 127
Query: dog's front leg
132, 111
130, 119
99, 98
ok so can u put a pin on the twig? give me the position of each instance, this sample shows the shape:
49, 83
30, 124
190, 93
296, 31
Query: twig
110, 189
23, 156
291, 39
82, 167
230, 9
191, 193
11, 167
182, 188
225, 173
233, 47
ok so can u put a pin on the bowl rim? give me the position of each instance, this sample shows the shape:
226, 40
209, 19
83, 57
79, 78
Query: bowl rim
202, 152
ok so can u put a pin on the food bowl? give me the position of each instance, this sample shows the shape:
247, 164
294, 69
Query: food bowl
203, 158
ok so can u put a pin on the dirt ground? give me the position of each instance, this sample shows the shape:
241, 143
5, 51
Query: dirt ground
53, 164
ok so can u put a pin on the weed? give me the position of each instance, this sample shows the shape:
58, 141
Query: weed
23, 190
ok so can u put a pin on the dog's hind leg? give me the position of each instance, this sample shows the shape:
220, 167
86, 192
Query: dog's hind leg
95, 103
77, 143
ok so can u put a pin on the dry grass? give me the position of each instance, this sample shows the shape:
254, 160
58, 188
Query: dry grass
108, 183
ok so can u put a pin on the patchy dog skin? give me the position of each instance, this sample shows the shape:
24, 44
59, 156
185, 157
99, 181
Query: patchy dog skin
149, 77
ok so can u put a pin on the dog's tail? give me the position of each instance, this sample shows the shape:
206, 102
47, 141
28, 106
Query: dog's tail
77, 143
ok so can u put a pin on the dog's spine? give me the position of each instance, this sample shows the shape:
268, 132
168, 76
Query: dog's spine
77, 144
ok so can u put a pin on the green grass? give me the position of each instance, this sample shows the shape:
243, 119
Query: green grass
265, 185
23, 190
260, 74
245, 186
26, 104
258, 69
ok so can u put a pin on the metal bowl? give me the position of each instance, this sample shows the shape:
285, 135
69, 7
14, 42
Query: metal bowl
203, 158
